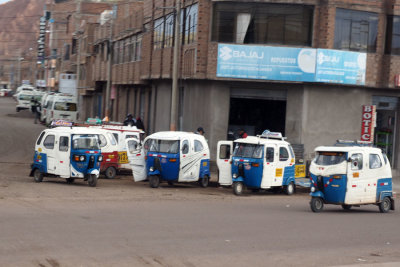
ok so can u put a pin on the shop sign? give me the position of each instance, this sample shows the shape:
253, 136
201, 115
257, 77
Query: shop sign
291, 64
368, 123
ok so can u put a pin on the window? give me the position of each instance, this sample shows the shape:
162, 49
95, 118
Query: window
225, 152
138, 47
259, 23
356, 161
132, 48
185, 147
116, 48
116, 137
190, 24
283, 154
64, 143
121, 52
49, 142
164, 146
65, 106
85, 141
374, 161
269, 157
355, 30
329, 158
393, 35
102, 140
112, 139
198, 146
40, 138
169, 30
158, 33
132, 146
248, 150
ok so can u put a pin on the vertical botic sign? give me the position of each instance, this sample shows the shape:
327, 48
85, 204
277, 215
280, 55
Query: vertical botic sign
368, 123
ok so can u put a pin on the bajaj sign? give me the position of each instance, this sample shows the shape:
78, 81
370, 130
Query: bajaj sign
291, 64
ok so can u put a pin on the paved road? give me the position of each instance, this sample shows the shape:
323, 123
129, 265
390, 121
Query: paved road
122, 223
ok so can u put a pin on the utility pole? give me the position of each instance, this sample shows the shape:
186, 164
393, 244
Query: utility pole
109, 66
18, 82
175, 69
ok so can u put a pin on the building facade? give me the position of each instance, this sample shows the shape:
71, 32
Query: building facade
306, 68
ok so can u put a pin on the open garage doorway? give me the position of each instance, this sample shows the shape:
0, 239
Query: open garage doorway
256, 115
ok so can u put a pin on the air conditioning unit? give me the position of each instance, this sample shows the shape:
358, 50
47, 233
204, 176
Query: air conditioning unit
397, 80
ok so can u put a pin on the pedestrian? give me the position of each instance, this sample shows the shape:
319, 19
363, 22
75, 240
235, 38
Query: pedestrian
139, 123
36, 110
242, 133
200, 131
129, 121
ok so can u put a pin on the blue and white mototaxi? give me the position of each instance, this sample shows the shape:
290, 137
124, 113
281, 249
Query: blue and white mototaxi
350, 175
171, 157
258, 162
67, 152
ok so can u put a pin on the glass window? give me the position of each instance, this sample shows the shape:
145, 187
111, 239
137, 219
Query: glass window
138, 47
49, 142
190, 24
283, 154
291, 151
115, 54
102, 140
198, 146
133, 146
248, 150
85, 141
329, 158
158, 33
356, 161
40, 138
269, 157
116, 136
260, 23
133, 48
355, 30
169, 30
65, 106
374, 161
164, 146
64, 143
112, 139
185, 147
225, 152
393, 35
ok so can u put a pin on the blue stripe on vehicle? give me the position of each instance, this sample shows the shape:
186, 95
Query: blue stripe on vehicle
384, 188
204, 168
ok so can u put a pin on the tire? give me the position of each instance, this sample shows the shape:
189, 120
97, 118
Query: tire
37, 176
346, 207
238, 188
92, 181
316, 204
204, 181
385, 205
110, 173
154, 181
290, 189
70, 180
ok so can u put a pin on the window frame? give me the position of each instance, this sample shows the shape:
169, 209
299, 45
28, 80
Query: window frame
51, 145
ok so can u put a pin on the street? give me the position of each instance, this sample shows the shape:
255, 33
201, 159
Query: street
123, 223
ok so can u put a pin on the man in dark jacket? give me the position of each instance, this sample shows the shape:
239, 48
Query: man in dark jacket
129, 121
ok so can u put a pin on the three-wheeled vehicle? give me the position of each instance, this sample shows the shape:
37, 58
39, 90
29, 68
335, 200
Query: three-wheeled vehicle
67, 152
350, 174
171, 157
265, 161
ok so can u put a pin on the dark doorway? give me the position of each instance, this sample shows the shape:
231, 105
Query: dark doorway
257, 115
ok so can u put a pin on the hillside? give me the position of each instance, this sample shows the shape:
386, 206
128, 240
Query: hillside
19, 25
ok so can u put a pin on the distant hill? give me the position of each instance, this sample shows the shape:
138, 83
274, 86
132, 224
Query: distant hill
19, 25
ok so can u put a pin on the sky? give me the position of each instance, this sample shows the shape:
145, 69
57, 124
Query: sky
3, 1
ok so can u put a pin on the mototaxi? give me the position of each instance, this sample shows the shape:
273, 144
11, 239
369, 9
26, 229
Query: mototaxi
265, 161
170, 156
350, 175
67, 152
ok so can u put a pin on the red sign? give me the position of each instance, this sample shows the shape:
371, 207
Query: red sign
368, 123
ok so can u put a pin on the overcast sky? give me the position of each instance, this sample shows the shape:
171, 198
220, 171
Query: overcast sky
3, 1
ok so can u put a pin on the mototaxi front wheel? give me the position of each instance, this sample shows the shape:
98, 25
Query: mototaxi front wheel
204, 181
154, 181
238, 188
37, 176
316, 204
92, 181
290, 189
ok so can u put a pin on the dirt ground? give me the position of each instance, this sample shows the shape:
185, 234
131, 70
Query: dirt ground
123, 223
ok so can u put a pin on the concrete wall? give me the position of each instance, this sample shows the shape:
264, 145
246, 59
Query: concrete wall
162, 107
331, 113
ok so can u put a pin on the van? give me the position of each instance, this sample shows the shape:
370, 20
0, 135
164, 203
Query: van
61, 106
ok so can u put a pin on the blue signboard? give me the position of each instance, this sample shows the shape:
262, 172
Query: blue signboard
266, 62
291, 64
335, 66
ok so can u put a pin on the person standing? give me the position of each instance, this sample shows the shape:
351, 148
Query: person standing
35, 107
129, 121
242, 133
200, 131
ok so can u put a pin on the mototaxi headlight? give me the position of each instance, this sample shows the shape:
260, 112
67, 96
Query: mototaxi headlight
100, 158
151, 169
234, 175
82, 158
312, 189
